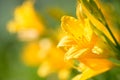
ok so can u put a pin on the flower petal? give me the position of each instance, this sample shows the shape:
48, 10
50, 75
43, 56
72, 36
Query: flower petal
74, 53
66, 41
88, 72
80, 31
73, 27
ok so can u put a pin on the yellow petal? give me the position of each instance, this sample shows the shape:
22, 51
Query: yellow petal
74, 53
93, 60
81, 32
30, 55
27, 18
88, 33
72, 26
66, 41
88, 72
79, 12
56, 59
97, 64
77, 77
45, 69
64, 74
12, 27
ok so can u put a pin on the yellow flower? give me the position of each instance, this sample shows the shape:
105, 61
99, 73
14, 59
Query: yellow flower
54, 62
85, 46
47, 57
35, 52
26, 22
30, 55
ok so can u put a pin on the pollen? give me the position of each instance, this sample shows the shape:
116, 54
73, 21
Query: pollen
97, 50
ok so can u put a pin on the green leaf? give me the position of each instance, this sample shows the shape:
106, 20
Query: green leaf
92, 7
115, 61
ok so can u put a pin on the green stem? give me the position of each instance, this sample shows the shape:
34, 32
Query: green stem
117, 44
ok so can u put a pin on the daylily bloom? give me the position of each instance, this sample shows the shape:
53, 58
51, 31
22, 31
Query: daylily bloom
84, 46
34, 53
89, 41
47, 57
26, 22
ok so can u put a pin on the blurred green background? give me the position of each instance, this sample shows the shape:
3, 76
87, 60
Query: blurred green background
11, 67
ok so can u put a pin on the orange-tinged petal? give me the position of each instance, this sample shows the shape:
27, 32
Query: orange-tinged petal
97, 64
94, 61
88, 72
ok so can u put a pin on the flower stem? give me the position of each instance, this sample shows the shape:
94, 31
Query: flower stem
117, 44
